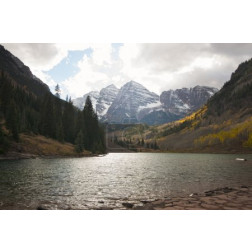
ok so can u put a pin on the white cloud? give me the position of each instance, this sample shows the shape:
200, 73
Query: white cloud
159, 67
42, 57
86, 80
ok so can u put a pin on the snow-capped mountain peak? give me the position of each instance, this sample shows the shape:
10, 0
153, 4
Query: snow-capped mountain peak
131, 97
135, 103
101, 100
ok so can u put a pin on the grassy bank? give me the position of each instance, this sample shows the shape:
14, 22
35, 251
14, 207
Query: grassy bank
31, 146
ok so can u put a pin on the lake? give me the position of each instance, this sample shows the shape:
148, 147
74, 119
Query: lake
107, 181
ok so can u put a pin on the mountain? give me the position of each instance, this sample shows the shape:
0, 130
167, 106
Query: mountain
106, 98
222, 125
186, 99
131, 99
236, 95
80, 101
176, 104
21, 74
101, 100
181, 102
135, 104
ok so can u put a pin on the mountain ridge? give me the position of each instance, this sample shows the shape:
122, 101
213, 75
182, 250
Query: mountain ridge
18, 71
222, 125
133, 103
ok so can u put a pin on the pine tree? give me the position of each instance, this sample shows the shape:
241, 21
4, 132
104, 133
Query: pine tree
58, 118
48, 121
60, 133
79, 125
94, 136
79, 145
68, 121
155, 146
57, 91
142, 142
90, 124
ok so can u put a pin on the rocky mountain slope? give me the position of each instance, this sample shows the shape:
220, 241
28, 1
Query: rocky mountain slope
101, 100
133, 103
176, 104
132, 99
80, 101
223, 125
186, 100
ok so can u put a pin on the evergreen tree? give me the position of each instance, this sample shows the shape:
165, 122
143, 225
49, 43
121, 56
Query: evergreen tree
94, 137
79, 145
60, 132
90, 124
79, 125
69, 122
57, 91
155, 146
48, 122
142, 142
58, 118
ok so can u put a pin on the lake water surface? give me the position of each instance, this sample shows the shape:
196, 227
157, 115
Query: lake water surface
84, 183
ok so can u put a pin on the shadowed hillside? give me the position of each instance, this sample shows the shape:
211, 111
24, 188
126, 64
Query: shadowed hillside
28, 107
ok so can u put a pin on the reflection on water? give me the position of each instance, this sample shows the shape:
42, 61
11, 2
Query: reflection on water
89, 182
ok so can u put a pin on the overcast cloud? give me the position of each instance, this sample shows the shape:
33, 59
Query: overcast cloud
159, 67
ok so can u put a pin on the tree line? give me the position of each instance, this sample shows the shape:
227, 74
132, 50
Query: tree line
21, 111
135, 144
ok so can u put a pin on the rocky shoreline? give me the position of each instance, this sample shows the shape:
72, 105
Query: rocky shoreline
236, 198
239, 198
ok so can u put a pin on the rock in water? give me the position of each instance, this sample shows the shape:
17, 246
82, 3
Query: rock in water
241, 159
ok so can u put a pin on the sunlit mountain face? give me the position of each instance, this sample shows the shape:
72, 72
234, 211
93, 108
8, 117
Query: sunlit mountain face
134, 103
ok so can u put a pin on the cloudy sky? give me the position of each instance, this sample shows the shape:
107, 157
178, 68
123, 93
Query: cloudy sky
81, 68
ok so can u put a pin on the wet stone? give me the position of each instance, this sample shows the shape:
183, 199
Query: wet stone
243, 186
128, 205
169, 205
209, 207
145, 201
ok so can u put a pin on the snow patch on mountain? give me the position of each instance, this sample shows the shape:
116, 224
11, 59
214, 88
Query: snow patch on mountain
131, 99
101, 100
136, 103
149, 106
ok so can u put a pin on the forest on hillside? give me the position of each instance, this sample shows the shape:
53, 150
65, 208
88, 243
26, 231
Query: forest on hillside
21, 111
